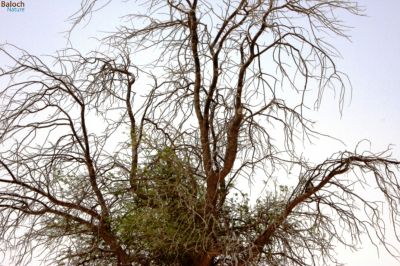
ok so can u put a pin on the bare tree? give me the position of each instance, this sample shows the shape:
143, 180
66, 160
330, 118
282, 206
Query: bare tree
137, 156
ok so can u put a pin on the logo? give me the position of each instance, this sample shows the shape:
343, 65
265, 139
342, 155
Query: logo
14, 7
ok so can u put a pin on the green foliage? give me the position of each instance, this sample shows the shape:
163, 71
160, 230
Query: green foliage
161, 221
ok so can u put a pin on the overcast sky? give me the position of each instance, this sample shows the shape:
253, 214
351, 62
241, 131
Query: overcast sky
371, 60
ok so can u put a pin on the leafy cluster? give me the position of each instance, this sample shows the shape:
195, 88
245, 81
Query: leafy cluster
164, 222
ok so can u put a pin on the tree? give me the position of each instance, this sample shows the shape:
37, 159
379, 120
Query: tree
137, 155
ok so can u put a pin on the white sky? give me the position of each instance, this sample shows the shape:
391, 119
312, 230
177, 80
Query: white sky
371, 60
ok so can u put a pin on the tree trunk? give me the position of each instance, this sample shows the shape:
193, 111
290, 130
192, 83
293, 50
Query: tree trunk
205, 259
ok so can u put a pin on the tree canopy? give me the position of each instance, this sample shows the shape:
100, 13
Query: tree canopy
139, 153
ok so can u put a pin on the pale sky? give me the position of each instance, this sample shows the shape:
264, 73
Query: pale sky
371, 60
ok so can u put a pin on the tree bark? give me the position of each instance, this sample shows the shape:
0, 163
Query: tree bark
205, 259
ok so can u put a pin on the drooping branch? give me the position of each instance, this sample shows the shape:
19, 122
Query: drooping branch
321, 176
